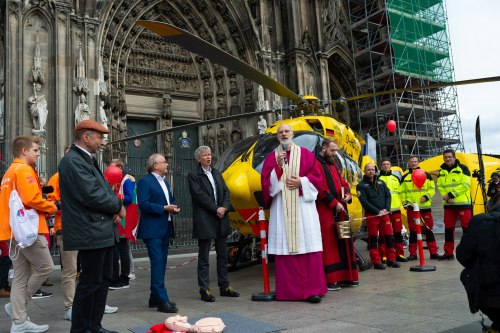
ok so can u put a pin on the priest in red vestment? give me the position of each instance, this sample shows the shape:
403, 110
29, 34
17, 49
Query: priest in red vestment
339, 257
290, 182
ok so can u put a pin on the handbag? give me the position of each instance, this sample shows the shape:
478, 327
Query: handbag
23, 222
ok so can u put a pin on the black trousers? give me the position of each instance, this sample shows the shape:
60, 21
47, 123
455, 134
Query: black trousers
121, 261
203, 262
5, 264
92, 290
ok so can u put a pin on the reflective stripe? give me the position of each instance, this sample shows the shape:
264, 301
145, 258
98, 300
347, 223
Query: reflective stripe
419, 237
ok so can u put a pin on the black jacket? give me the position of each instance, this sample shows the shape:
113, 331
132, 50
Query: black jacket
373, 195
479, 253
206, 224
88, 204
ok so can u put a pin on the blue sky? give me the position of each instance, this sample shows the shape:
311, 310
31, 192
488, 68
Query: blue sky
474, 31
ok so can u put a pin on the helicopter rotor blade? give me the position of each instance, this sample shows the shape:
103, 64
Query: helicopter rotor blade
430, 86
199, 46
195, 124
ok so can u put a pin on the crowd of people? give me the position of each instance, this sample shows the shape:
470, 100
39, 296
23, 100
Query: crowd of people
305, 192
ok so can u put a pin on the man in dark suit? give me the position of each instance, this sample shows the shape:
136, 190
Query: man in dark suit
156, 206
90, 210
210, 197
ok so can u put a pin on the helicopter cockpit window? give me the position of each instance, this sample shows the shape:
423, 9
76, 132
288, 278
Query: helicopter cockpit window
269, 143
233, 152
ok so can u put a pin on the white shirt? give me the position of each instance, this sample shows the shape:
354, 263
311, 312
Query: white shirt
84, 150
161, 180
212, 181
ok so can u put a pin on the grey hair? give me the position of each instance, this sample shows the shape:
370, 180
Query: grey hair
200, 150
150, 163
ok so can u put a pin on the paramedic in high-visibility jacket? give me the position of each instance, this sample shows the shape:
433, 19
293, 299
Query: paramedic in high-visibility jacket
411, 194
393, 184
375, 198
454, 186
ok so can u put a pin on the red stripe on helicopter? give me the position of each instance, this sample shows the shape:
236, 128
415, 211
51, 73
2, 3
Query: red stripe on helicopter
329, 131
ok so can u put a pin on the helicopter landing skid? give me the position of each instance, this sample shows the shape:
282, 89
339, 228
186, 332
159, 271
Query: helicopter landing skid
244, 253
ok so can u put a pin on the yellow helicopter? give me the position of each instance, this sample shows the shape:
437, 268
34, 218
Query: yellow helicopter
241, 163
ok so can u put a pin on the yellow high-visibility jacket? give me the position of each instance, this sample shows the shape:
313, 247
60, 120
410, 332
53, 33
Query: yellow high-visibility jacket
392, 182
455, 182
411, 194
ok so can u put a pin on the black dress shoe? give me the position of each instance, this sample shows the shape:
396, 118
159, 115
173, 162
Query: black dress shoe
229, 292
103, 330
446, 257
153, 303
435, 256
410, 258
314, 299
167, 308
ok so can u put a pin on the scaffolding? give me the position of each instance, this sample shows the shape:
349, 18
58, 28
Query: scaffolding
403, 44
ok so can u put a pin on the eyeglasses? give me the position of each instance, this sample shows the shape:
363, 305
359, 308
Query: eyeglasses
161, 162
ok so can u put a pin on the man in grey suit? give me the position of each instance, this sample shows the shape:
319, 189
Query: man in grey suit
210, 197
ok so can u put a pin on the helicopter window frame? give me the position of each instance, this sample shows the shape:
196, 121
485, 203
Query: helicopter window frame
268, 144
235, 151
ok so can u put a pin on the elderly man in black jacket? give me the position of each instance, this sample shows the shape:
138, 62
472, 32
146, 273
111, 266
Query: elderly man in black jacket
90, 210
210, 197
479, 253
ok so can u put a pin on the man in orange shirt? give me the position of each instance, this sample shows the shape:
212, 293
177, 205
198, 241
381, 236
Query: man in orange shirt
24, 177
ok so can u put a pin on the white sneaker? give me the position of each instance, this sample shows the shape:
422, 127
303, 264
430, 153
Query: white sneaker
110, 309
8, 310
131, 276
28, 327
67, 314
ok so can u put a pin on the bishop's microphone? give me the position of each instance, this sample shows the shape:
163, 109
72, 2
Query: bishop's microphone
283, 145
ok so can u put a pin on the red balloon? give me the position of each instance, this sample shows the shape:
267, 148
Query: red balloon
113, 175
418, 177
391, 126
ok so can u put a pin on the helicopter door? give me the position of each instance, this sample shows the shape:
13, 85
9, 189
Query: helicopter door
140, 150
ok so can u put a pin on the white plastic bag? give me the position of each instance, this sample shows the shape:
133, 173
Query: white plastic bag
23, 222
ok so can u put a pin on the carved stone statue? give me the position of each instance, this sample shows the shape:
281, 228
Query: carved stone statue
261, 125
37, 105
209, 138
236, 132
222, 138
2, 105
167, 106
82, 111
103, 119
2, 114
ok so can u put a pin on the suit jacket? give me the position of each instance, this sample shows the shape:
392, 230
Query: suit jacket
206, 224
153, 220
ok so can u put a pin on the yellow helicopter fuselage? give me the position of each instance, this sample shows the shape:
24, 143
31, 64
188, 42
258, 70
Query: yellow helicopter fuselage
243, 179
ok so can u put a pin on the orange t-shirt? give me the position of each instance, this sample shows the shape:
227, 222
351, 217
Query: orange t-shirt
28, 186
